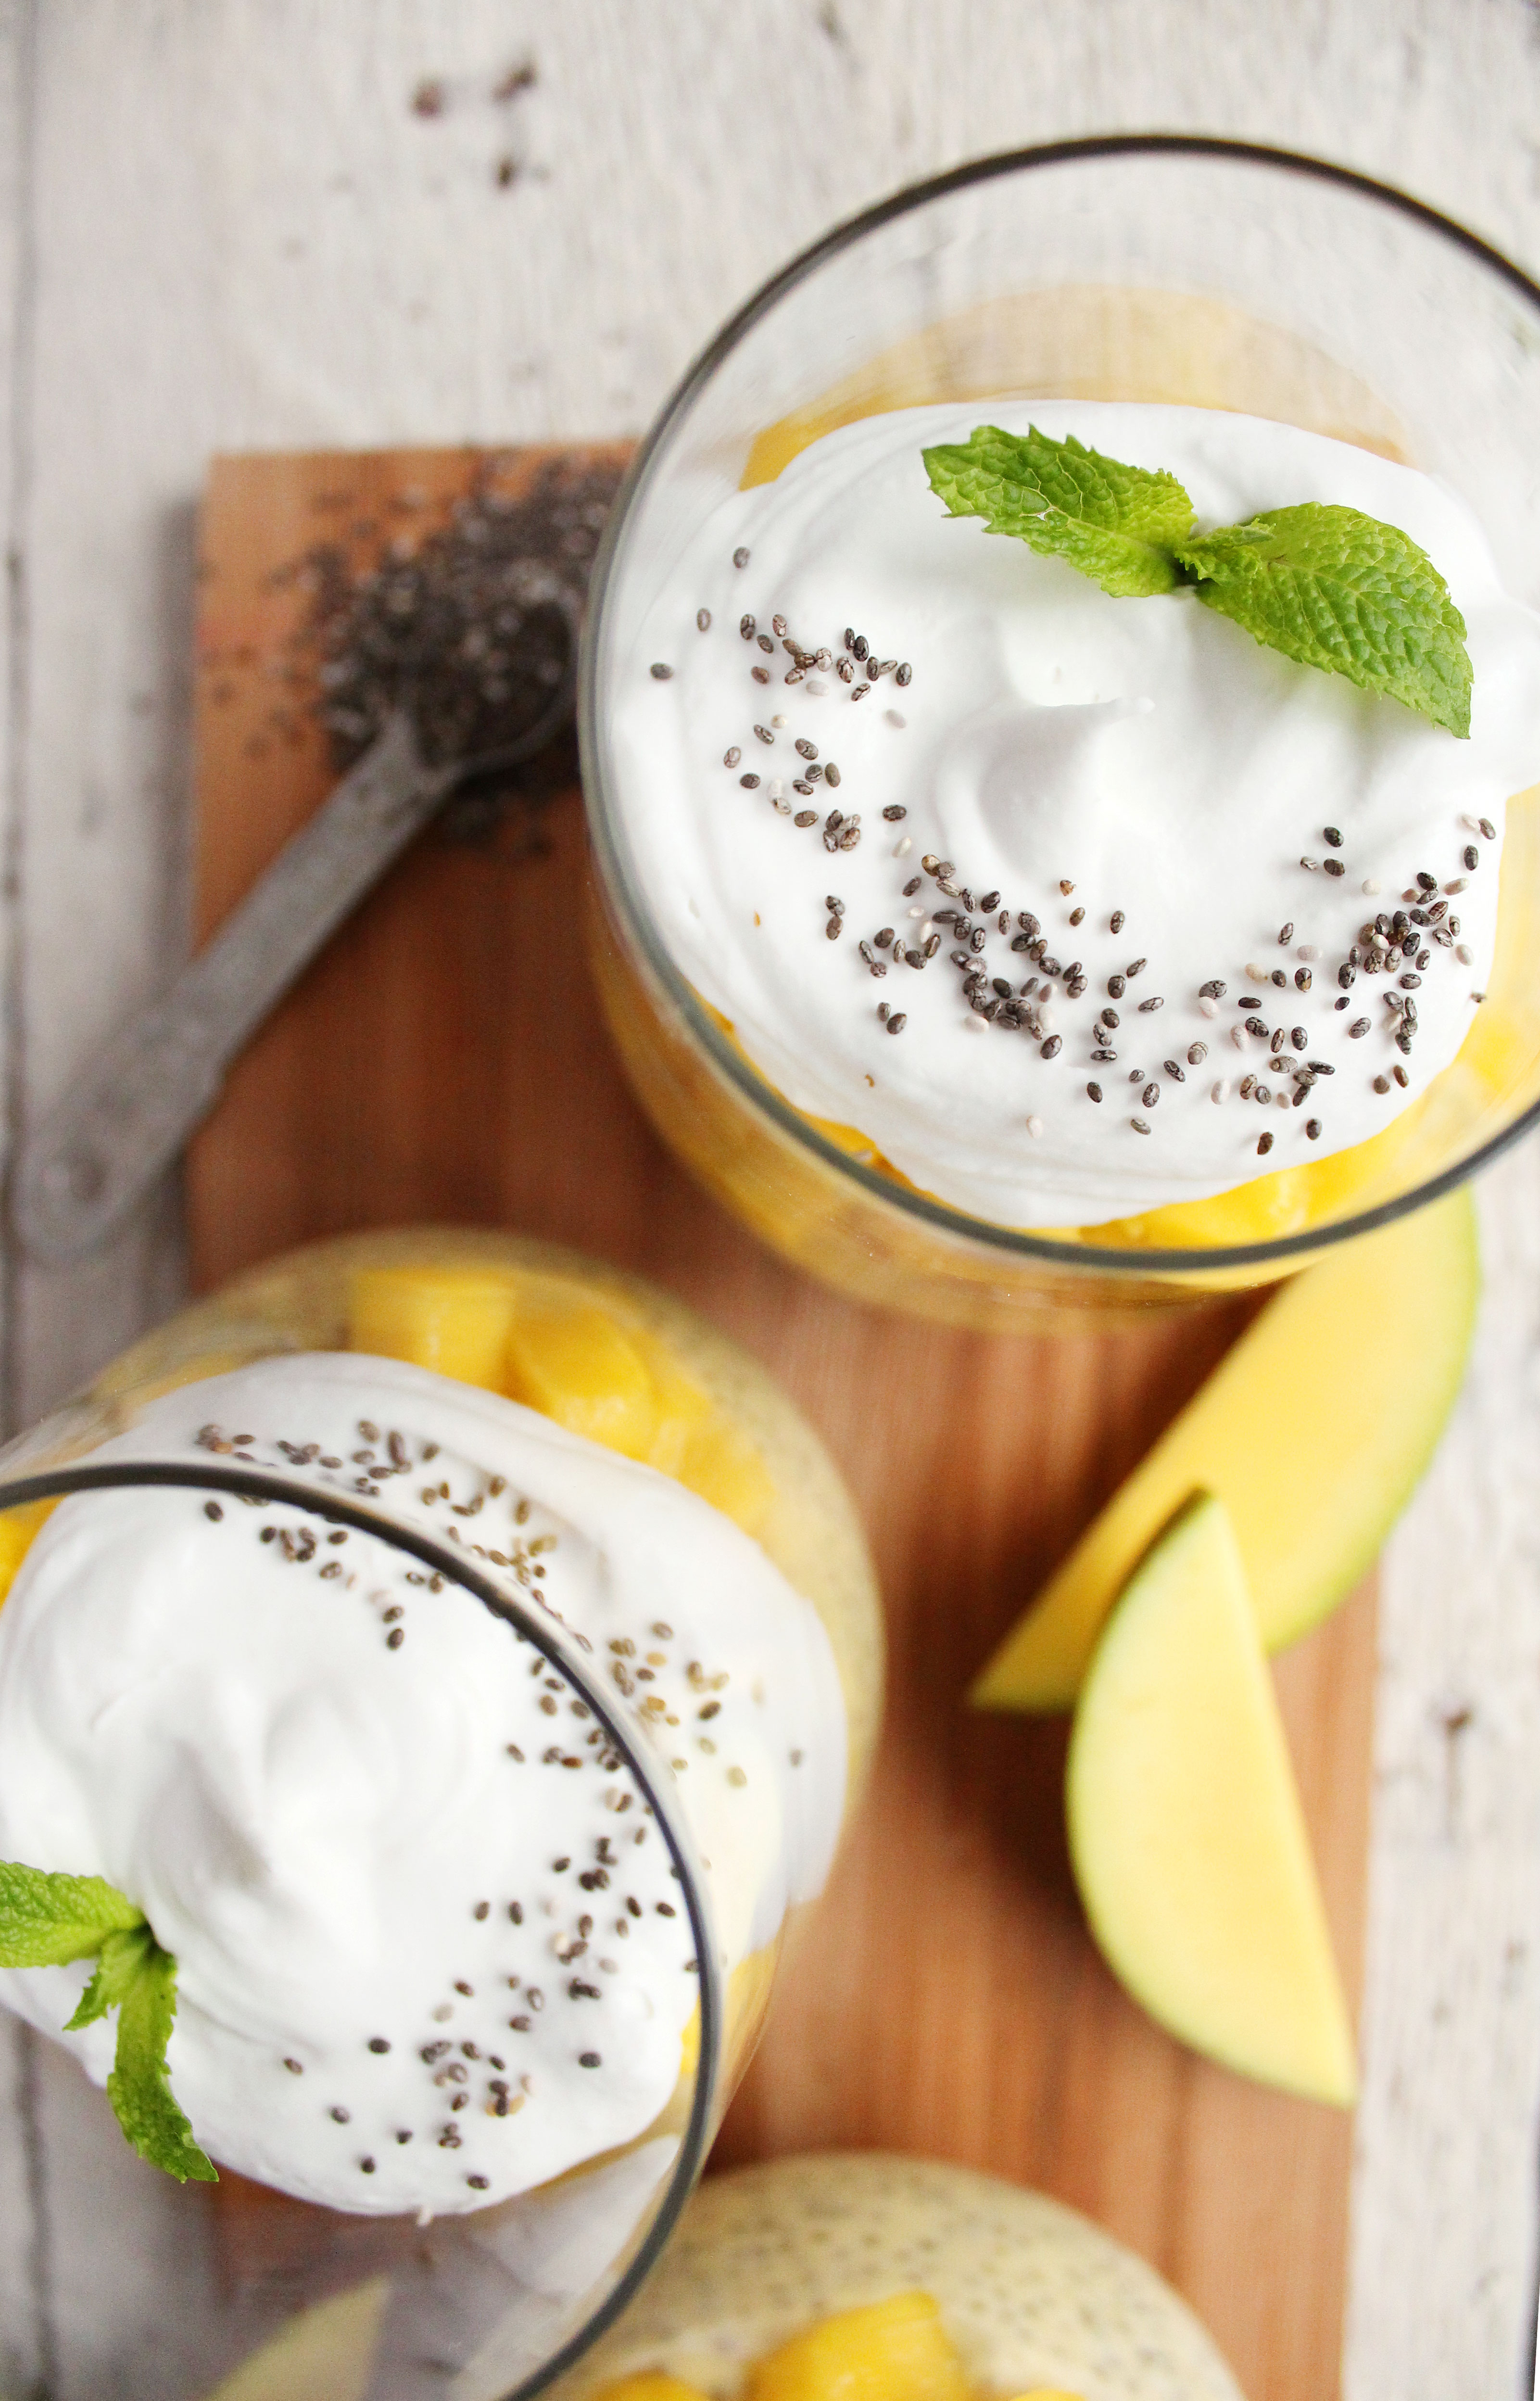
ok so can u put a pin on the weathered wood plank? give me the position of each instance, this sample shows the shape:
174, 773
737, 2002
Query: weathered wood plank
1443, 2253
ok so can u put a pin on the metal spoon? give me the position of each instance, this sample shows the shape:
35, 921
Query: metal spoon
125, 1117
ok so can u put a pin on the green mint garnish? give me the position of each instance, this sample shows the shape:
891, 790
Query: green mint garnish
1117, 524
46, 1921
1329, 587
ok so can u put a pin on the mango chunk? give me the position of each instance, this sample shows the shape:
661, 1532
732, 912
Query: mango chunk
18, 1531
895, 2350
650, 2384
1186, 1833
454, 1320
571, 1361
551, 1347
1299, 1391
704, 1451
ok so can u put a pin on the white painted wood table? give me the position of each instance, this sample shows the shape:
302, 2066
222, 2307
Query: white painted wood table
223, 224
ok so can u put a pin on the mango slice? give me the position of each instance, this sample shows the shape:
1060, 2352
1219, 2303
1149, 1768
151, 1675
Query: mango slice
18, 1530
651, 2384
895, 2350
324, 2355
1186, 1833
571, 1361
454, 1320
1314, 1452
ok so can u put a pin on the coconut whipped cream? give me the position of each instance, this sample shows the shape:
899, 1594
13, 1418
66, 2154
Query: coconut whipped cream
432, 1951
1073, 906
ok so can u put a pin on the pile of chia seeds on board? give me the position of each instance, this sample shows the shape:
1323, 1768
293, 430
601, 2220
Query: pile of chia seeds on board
471, 630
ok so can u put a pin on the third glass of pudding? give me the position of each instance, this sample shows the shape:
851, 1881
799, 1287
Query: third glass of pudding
1008, 931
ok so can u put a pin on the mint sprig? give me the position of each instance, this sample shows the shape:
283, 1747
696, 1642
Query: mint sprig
46, 1921
1327, 586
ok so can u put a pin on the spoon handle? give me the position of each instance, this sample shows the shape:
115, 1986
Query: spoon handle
125, 1118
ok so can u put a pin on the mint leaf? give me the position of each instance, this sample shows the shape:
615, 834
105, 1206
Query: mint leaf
47, 1920
119, 1964
1116, 524
138, 2087
1339, 590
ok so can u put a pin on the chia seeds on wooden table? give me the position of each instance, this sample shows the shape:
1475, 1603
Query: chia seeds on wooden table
470, 630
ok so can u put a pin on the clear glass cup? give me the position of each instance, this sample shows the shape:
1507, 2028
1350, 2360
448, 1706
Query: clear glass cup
1032, 2298
1150, 267
242, 2291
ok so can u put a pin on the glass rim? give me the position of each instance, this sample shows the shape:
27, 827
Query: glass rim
1132, 1262
560, 1648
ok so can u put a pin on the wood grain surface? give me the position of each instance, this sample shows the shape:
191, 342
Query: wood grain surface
446, 1060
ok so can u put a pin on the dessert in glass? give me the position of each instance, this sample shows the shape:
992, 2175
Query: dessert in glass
814, 2278
1005, 943
451, 1663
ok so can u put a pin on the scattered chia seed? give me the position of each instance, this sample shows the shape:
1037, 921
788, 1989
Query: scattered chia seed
1471, 857
1330, 834
1264, 1144
659, 672
703, 620
750, 783
1094, 1091
1313, 1128
1139, 1125
739, 558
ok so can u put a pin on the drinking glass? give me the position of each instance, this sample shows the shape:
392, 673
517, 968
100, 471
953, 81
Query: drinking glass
238, 2291
1138, 268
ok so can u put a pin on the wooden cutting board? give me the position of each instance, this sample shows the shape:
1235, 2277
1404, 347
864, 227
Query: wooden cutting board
446, 1060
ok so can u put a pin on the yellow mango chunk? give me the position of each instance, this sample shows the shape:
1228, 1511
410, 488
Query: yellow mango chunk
651, 2384
18, 1531
895, 2350
1186, 1833
747, 1999
567, 1356
701, 1449
454, 1320
1299, 1385
571, 1361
